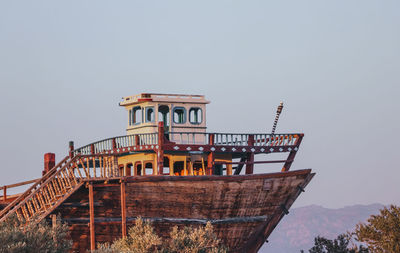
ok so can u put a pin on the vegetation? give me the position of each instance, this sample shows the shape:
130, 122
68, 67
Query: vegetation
143, 239
40, 237
381, 232
338, 245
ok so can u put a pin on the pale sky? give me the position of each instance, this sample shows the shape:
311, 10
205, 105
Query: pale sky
64, 66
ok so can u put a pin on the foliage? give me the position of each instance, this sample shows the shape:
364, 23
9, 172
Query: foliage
381, 232
33, 237
143, 239
338, 245
198, 240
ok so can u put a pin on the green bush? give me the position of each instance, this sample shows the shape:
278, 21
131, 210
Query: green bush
33, 237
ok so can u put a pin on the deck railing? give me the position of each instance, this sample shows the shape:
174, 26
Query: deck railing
233, 139
189, 138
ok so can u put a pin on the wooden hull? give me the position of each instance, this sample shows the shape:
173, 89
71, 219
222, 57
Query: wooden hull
244, 209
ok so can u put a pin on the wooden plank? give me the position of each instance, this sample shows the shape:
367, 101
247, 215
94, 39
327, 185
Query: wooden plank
123, 209
250, 156
292, 155
91, 224
19, 184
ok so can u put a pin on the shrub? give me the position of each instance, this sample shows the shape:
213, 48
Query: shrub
143, 239
33, 237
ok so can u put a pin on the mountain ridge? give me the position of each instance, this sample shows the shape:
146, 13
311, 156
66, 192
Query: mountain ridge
298, 229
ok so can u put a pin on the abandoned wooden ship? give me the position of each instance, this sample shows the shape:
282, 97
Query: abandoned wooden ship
169, 170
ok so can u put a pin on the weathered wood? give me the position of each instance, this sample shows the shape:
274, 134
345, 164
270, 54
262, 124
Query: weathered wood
160, 150
92, 232
240, 203
250, 156
123, 209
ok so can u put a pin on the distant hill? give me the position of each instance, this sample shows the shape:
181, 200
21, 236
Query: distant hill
299, 228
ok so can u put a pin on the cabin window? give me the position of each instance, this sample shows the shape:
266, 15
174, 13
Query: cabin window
137, 115
128, 169
149, 168
198, 168
195, 115
166, 166
179, 115
121, 170
138, 168
150, 114
163, 114
179, 168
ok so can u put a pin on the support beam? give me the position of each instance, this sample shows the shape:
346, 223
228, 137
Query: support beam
210, 163
160, 151
240, 166
91, 222
211, 156
250, 156
123, 209
292, 154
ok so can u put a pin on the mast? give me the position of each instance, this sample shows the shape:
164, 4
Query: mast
278, 113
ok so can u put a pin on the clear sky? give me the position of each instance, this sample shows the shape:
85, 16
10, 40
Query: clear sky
64, 66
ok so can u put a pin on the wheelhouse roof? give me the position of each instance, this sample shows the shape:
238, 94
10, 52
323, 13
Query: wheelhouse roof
162, 97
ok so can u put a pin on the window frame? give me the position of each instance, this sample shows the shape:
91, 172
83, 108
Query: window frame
134, 115
201, 113
184, 114
154, 114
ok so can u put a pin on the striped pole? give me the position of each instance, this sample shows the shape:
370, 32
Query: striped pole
278, 113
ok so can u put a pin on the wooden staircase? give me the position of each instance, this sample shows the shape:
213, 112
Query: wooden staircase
58, 184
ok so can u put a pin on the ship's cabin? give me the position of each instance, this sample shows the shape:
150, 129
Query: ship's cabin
180, 113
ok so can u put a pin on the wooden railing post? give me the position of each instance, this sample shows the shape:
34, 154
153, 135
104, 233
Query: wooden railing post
92, 149
5, 193
250, 155
160, 150
114, 143
71, 149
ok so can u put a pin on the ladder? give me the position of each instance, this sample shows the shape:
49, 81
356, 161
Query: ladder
58, 184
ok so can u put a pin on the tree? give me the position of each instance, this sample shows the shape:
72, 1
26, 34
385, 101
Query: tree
16, 237
338, 245
143, 239
381, 232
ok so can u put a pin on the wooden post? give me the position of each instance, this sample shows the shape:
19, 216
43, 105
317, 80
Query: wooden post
229, 169
71, 149
210, 157
91, 224
5, 192
250, 159
114, 143
160, 151
92, 149
292, 154
54, 226
123, 209
49, 162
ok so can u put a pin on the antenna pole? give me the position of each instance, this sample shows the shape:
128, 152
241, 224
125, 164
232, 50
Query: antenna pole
278, 113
